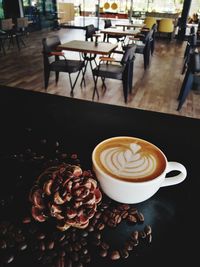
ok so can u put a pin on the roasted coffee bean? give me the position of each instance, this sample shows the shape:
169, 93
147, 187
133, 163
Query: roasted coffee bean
22, 246
98, 215
135, 235
133, 211
104, 245
8, 258
97, 235
26, 220
41, 236
61, 237
124, 253
111, 223
115, 255
129, 245
149, 238
50, 245
3, 227
42, 246
84, 233
84, 251
117, 218
90, 228
142, 234
124, 214
83, 241
140, 217
135, 242
103, 253
3, 244
76, 246
132, 218
19, 238
123, 207
148, 229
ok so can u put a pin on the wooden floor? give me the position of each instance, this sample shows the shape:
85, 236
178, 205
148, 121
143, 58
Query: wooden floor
155, 89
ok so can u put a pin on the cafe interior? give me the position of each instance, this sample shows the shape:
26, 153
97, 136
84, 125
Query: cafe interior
93, 96
157, 76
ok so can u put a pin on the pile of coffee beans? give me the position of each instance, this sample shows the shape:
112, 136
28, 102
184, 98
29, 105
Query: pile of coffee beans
25, 238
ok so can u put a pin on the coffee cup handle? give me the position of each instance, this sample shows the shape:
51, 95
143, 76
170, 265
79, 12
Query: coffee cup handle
175, 166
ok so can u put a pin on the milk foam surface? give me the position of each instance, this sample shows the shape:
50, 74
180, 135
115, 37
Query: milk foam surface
128, 161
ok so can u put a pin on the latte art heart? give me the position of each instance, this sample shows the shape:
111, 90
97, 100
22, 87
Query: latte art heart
128, 162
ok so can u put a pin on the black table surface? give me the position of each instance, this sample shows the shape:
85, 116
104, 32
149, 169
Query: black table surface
32, 121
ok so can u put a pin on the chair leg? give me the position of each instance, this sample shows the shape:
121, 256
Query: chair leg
46, 78
130, 75
2, 47
83, 77
186, 87
125, 90
73, 84
57, 76
95, 88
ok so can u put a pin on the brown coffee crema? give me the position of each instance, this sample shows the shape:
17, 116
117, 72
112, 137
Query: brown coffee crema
130, 159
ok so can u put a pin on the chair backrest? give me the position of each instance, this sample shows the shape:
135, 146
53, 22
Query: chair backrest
107, 23
50, 44
129, 54
89, 31
149, 22
7, 24
166, 25
22, 23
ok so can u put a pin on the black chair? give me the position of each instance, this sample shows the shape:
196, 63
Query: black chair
90, 32
192, 70
144, 46
119, 38
191, 46
52, 62
154, 30
120, 70
3, 38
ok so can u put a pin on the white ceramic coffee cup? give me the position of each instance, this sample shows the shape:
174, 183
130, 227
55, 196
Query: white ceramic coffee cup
121, 183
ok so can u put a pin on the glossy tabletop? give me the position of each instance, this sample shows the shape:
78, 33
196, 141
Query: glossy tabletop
130, 25
89, 47
45, 124
118, 31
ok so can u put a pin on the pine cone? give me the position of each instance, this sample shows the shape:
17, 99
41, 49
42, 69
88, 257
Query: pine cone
67, 194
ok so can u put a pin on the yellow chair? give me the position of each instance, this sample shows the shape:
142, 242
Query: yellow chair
149, 22
166, 25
